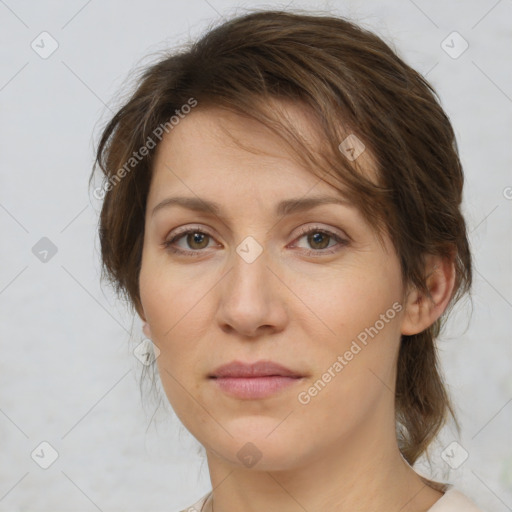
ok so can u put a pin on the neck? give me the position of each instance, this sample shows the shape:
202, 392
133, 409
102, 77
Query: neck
365, 473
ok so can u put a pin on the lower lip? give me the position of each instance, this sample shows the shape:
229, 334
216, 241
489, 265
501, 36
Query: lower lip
254, 387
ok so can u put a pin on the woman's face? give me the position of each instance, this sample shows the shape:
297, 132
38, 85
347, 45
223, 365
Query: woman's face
310, 288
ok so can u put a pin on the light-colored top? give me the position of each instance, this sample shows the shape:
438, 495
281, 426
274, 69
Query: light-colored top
451, 501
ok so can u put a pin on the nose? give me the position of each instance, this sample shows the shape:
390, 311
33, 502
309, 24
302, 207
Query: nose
252, 299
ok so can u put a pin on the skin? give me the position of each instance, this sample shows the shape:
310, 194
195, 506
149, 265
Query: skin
339, 451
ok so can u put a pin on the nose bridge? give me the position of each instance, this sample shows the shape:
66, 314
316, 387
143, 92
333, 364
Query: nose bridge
250, 297
248, 283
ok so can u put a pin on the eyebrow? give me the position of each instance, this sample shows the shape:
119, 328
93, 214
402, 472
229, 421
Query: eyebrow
285, 207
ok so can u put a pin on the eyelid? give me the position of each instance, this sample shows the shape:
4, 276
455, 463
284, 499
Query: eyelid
317, 227
188, 227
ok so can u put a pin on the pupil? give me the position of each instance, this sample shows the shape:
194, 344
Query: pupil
317, 238
196, 238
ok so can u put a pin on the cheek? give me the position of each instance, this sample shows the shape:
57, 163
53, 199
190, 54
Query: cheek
359, 318
351, 401
171, 301
347, 301
178, 315
353, 381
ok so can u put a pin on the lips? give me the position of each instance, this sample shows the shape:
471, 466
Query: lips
238, 369
254, 381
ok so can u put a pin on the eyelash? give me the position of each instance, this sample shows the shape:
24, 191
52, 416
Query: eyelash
168, 244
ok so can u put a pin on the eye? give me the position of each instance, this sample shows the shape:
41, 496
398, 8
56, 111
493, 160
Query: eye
195, 240
319, 239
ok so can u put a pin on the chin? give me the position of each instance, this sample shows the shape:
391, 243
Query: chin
260, 451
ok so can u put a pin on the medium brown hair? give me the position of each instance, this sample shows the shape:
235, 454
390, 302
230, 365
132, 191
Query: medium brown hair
351, 82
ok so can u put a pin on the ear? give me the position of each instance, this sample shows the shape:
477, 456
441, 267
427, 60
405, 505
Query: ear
146, 329
422, 311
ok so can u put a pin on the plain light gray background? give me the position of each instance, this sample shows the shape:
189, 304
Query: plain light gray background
67, 373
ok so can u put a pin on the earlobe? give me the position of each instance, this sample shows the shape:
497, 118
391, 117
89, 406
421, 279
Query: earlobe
146, 329
422, 310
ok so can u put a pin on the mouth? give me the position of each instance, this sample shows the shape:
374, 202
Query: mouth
239, 369
254, 380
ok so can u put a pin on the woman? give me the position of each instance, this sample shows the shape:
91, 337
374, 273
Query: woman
282, 209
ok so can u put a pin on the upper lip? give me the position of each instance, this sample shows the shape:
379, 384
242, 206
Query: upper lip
257, 369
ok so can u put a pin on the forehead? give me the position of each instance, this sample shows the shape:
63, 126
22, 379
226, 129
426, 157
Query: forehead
210, 141
215, 151
215, 130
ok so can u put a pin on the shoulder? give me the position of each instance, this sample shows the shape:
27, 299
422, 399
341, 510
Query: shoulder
198, 505
454, 501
